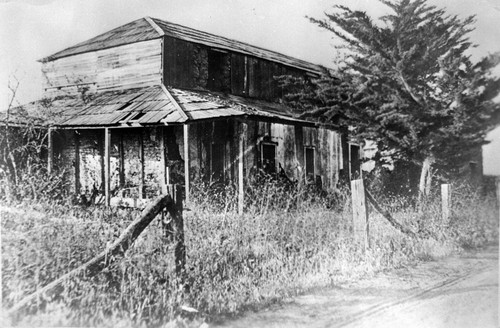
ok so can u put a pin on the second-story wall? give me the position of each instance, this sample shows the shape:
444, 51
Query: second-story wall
127, 66
176, 62
193, 66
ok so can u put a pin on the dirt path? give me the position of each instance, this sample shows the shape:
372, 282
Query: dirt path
460, 291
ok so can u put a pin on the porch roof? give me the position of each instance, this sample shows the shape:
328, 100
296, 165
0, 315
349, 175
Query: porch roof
157, 105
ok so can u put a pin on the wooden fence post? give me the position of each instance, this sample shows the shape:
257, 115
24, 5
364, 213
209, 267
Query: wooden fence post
177, 225
359, 213
107, 256
445, 202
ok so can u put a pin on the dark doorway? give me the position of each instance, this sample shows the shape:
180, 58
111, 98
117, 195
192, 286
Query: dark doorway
217, 166
309, 162
268, 157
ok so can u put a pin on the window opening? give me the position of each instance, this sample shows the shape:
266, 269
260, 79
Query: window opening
216, 67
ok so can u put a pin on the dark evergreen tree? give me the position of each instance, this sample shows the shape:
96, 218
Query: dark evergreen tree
408, 84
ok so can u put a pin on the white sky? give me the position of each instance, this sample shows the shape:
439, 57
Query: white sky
33, 29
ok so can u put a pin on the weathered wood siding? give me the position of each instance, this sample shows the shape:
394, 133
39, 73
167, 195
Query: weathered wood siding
289, 140
328, 159
176, 62
193, 66
256, 78
202, 136
133, 65
179, 63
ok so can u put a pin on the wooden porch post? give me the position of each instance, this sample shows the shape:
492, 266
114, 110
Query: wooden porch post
186, 162
77, 162
107, 169
241, 161
50, 152
141, 160
121, 155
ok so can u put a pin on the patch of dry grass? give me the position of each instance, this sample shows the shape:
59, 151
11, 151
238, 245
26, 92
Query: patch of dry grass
285, 243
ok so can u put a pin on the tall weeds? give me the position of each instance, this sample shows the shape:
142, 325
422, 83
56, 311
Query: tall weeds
291, 238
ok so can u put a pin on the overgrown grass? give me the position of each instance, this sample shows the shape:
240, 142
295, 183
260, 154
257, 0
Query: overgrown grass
288, 241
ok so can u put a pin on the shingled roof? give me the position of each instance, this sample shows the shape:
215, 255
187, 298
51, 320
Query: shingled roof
152, 28
147, 106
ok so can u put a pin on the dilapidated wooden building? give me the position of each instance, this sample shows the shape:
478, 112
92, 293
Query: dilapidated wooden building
153, 103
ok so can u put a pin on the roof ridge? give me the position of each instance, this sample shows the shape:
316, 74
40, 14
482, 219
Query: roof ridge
95, 39
316, 68
153, 24
175, 103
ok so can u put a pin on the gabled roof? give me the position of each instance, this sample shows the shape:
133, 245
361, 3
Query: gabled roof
136, 31
156, 105
148, 28
211, 40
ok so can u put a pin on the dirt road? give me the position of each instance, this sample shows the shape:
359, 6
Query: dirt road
461, 291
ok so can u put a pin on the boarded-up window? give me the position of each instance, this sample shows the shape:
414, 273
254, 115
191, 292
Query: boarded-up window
309, 163
268, 157
217, 163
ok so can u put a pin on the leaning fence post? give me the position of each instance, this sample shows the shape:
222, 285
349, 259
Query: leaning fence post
175, 212
359, 213
445, 202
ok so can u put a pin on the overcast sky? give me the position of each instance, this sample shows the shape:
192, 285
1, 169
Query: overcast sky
33, 29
